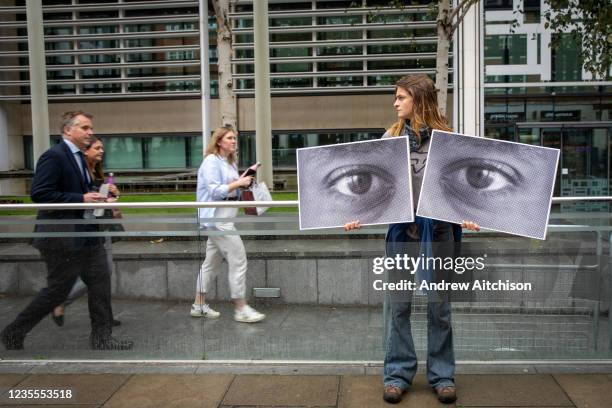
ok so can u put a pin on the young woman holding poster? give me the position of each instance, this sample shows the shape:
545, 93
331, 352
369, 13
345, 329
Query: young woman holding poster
218, 180
418, 114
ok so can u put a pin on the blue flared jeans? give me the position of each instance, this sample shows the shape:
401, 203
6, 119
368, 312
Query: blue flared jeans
400, 356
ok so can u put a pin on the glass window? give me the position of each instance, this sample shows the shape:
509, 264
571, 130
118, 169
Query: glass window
98, 14
62, 74
101, 88
196, 153
291, 82
505, 49
566, 61
539, 110
160, 11
498, 5
340, 35
28, 151
163, 71
422, 32
166, 152
290, 6
123, 152
402, 64
383, 80
286, 52
61, 89
340, 50
288, 22
244, 38
341, 81
99, 59
287, 37
502, 133
98, 29
98, 44
504, 111
401, 48
168, 86
100, 73
246, 147
340, 66
293, 67
335, 4
58, 30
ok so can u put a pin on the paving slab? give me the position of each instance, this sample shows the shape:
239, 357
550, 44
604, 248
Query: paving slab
55, 406
8, 381
529, 390
84, 388
367, 391
587, 390
279, 391
181, 390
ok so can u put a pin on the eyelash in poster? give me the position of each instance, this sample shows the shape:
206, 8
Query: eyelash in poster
371, 185
468, 179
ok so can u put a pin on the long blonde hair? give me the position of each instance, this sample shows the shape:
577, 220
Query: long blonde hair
213, 147
425, 105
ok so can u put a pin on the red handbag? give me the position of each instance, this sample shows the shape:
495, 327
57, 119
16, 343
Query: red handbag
247, 195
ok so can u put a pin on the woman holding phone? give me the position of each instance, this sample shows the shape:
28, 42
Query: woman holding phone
218, 180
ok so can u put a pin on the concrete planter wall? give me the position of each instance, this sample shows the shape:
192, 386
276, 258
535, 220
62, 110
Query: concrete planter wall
336, 272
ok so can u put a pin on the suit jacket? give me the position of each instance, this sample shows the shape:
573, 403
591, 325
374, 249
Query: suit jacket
58, 179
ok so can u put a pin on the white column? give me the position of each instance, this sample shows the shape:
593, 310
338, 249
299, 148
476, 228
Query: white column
38, 78
468, 73
263, 101
204, 73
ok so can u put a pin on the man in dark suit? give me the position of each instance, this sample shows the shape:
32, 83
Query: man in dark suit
62, 177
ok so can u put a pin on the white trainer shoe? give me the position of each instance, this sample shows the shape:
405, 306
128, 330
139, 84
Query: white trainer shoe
204, 311
248, 315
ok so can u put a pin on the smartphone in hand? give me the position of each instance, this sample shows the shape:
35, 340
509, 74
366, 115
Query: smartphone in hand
251, 171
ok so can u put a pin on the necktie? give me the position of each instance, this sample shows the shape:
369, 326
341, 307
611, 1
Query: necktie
84, 171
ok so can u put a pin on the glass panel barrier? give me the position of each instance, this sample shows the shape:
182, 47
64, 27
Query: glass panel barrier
326, 294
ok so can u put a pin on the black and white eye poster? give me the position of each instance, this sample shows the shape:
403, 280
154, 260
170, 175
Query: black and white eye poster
366, 181
502, 186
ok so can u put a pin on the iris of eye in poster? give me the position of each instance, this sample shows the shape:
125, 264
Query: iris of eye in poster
502, 186
368, 181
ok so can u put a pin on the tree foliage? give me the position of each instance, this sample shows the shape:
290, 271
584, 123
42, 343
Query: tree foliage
588, 22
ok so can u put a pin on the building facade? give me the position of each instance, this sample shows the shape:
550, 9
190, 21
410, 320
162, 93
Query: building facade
136, 66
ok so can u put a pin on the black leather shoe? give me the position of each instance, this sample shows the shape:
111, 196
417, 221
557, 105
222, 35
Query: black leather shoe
11, 341
110, 343
59, 320
116, 323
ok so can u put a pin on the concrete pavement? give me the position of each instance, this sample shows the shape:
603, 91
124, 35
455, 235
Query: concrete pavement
347, 391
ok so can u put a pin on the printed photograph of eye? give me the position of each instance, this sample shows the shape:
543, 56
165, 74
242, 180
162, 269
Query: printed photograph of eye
367, 181
502, 186
360, 181
470, 178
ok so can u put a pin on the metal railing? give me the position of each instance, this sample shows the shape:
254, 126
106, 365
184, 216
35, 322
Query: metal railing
210, 204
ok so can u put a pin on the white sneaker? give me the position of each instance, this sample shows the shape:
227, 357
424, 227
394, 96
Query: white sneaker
248, 315
204, 311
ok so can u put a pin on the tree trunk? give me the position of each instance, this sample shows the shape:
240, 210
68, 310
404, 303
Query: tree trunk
224, 63
442, 54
